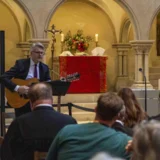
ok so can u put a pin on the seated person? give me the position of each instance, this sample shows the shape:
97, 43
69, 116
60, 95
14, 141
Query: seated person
34, 130
146, 141
134, 112
83, 141
119, 123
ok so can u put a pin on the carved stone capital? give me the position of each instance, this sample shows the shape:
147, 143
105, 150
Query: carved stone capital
122, 47
23, 45
141, 46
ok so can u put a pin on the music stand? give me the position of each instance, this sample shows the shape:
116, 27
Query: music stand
59, 88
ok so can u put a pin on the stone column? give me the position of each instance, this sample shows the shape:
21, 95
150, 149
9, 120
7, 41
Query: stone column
122, 51
142, 48
25, 46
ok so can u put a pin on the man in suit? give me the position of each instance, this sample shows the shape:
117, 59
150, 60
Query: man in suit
26, 69
118, 125
34, 130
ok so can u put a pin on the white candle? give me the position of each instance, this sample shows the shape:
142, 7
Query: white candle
96, 37
62, 37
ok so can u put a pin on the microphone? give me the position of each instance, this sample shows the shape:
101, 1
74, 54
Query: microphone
140, 69
145, 82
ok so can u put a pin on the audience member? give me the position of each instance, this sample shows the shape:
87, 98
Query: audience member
83, 141
34, 130
134, 113
146, 141
119, 123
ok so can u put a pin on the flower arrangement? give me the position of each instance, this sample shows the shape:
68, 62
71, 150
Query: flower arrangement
76, 42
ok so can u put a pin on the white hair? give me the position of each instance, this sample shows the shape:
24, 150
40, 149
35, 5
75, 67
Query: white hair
146, 141
36, 45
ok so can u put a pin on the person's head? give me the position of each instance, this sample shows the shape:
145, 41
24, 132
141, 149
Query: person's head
37, 52
40, 93
122, 114
108, 107
134, 113
146, 141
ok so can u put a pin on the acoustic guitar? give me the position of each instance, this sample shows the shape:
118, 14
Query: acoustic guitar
17, 101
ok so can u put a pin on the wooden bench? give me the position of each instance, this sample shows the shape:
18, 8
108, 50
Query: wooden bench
40, 155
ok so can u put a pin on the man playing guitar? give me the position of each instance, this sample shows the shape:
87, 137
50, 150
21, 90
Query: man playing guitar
25, 69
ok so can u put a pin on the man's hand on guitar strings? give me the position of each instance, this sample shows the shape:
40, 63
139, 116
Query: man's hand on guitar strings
23, 90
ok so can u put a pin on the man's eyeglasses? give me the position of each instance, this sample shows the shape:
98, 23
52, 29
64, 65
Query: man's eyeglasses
38, 52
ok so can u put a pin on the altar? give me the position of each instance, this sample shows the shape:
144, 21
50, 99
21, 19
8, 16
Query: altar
92, 70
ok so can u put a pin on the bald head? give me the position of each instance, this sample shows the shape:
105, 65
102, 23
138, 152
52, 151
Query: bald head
40, 92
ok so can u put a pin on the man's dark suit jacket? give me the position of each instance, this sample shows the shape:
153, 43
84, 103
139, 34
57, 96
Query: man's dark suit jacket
119, 127
20, 70
33, 131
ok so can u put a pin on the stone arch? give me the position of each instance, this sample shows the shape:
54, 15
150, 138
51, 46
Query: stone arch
125, 30
153, 17
15, 18
29, 16
90, 1
132, 16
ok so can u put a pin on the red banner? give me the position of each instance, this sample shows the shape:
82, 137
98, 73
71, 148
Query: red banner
92, 72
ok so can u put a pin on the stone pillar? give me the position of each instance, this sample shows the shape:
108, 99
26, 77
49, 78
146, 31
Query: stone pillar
26, 45
122, 51
25, 48
142, 48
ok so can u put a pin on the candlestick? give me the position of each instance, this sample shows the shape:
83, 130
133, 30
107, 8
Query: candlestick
62, 46
62, 37
96, 37
96, 44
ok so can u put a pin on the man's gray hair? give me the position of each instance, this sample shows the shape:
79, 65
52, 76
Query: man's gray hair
36, 45
146, 140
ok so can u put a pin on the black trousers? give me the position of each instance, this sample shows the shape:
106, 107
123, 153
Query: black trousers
25, 109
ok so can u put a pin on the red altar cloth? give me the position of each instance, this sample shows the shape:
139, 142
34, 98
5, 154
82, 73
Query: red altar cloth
92, 72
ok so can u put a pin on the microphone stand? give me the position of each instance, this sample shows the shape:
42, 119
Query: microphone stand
145, 89
145, 84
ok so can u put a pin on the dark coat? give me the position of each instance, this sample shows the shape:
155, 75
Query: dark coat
20, 70
119, 127
33, 131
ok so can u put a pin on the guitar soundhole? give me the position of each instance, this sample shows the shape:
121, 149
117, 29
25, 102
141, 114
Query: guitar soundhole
24, 96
